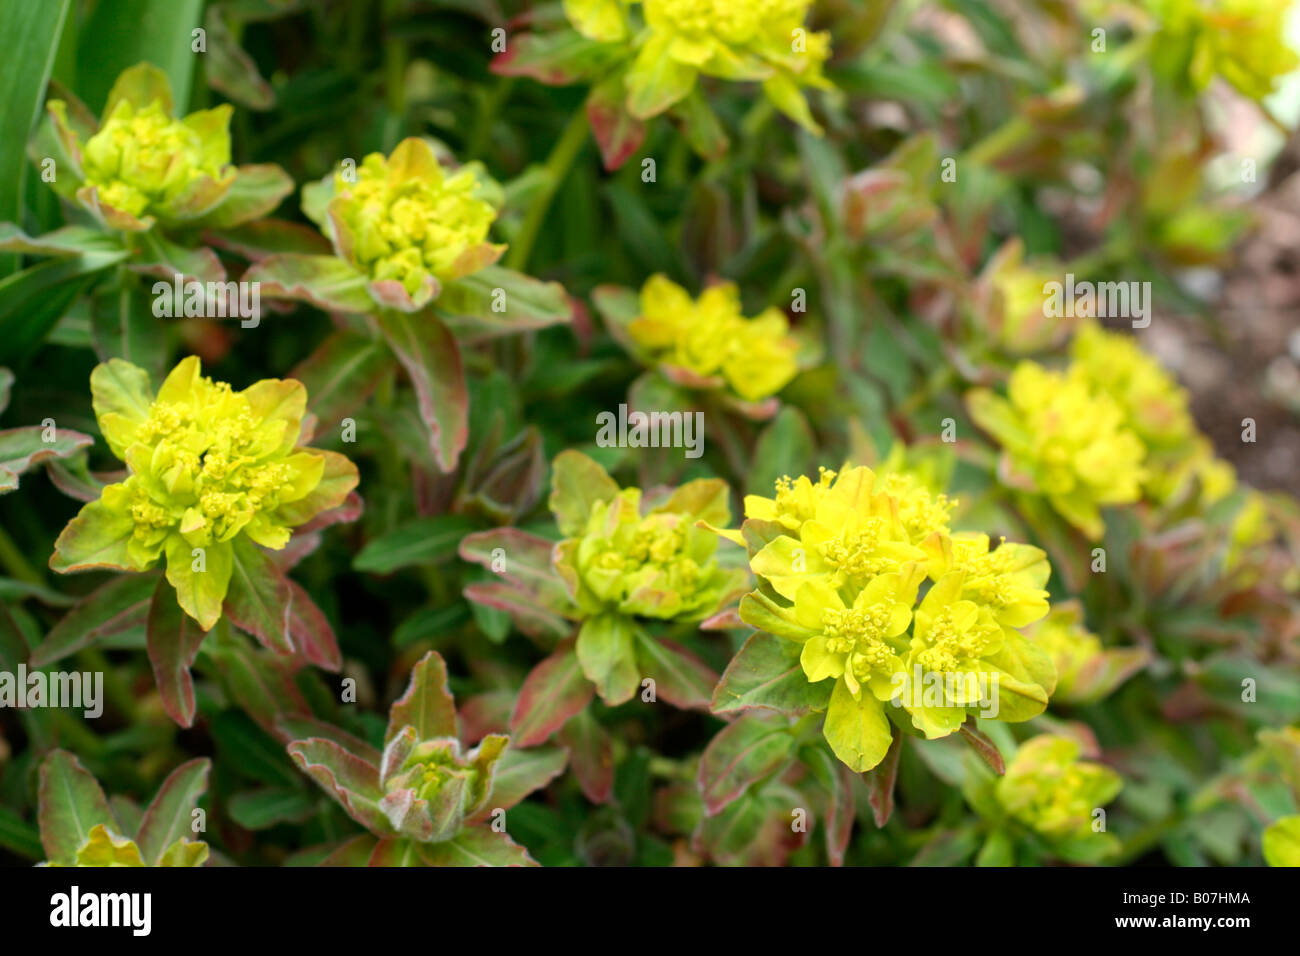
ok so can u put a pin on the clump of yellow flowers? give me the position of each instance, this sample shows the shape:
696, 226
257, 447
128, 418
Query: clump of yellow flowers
711, 340
404, 218
143, 164
1049, 789
210, 470
1113, 428
672, 43
841, 563
1243, 41
620, 565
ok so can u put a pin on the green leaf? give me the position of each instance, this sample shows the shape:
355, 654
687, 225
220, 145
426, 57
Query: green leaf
427, 704
250, 751
524, 560
31, 32
857, 730
745, 752
347, 778
518, 774
122, 325
33, 300
169, 817
784, 448
680, 677
578, 483
554, 691
173, 640
606, 651
766, 674
340, 374
20, 448
19, 837
324, 281
428, 351
477, 846
119, 35
71, 805
259, 599
118, 605
260, 809
498, 301
432, 540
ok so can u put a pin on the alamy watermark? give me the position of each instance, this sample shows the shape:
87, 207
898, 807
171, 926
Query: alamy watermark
191, 299
923, 689
79, 690
652, 430
1102, 300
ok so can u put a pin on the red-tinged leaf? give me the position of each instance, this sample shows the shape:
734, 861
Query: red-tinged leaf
553, 692
68, 241
260, 600
526, 615
837, 780
743, 753
394, 851
617, 132
160, 257
555, 58
169, 816
341, 374
486, 713
428, 351
427, 704
497, 301
326, 282
353, 852
261, 682
524, 560
591, 756
256, 191
310, 631
476, 846
21, 448
120, 604
173, 639
71, 804
353, 782
880, 782
987, 750
518, 774
302, 726
728, 619
268, 237
680, 677
766, 674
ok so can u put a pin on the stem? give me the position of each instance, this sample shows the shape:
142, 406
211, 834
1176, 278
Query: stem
563, 153
12, 560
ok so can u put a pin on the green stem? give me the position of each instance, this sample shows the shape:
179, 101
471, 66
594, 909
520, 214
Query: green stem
12, 560
563, 153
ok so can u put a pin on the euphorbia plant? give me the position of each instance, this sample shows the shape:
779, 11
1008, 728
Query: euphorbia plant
411, 251
213, 477
79, 827
840, 565
625, 578
425, 800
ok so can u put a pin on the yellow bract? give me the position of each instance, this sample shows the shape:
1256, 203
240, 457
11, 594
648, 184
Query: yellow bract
709, 337
404, 218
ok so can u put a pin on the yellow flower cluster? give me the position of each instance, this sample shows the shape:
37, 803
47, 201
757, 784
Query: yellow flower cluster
709, 337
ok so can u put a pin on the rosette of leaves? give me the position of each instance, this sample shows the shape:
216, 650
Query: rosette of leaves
156, 191
410, 251
845, 628
1048, 805
704, 348
214, 476
80, 827
425, 800
647, 59
609, 594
